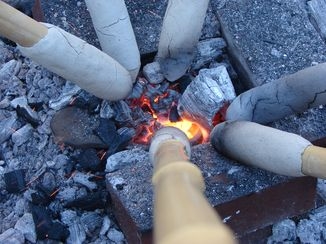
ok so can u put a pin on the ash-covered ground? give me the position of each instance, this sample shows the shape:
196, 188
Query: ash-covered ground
44, 194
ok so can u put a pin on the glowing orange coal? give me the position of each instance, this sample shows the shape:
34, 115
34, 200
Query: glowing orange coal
195, 132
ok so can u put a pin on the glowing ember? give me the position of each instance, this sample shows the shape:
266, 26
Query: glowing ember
194, 131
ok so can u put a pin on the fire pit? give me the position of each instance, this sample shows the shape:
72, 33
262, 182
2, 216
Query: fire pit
75, 168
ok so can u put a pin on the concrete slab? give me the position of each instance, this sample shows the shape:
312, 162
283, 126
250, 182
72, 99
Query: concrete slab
269, 39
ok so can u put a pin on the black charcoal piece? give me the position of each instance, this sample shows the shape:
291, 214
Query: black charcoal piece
45, 227
42, 196
15, 181
106, 131
183, 83
26, 115
88, 160
37, 106
84, 100
174, 115
70, 167
2, 157
90, 202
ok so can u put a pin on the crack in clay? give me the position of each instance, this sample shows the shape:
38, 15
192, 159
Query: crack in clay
114, 23
103, 33
76, 51
315, 98
261, 101
253, 105
279, 102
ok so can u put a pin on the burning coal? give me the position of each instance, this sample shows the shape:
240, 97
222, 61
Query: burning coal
162, 111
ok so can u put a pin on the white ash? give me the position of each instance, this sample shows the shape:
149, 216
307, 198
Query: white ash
206, 95
22, 135
284, 231
115, 236
26, 84
83, 179
92, 222
153, 73
26, 226
105, 225
208, 51
12, 236
69, 91
106, 111
124, 158
77, 233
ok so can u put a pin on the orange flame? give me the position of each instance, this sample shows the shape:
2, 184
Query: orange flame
193, 130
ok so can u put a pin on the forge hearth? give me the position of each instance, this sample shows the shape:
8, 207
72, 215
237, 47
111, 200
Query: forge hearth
247, 199
261, 40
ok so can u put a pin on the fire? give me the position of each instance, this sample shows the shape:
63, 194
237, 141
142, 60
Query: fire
194, 131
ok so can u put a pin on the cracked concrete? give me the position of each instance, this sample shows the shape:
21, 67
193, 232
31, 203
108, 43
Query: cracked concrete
269, 39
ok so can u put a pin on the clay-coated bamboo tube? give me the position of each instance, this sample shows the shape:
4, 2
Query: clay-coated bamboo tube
66, 55
115, 33
270, 149
288, 95
181, 212
182, 24
20, 28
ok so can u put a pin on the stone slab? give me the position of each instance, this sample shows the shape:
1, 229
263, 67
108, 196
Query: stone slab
269, 39
309, 124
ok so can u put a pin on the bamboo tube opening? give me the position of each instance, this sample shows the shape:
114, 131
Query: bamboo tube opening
314, 162
20, 28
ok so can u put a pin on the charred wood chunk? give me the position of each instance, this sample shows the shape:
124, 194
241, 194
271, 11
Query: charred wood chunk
87, 101
92, 201
2, 157
174, 115
88, 160
206, 95
45, 227
15, 180
42, 196
28, 115
106, 131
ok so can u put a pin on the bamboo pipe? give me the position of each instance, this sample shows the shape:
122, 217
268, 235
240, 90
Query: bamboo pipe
181, 212
269, 149
20, 28
66, 55
288, 95
181, 30
113, 28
